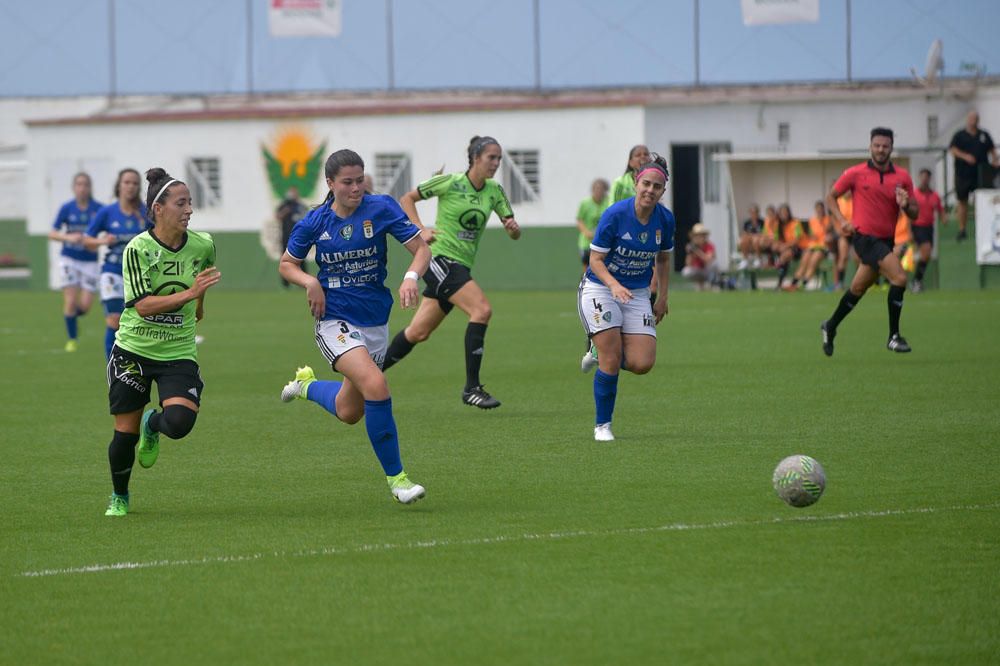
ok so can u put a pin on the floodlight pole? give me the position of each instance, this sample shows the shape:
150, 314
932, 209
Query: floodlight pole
538, 49
249, 6
697, 44
390, 56
848, 40
112, 54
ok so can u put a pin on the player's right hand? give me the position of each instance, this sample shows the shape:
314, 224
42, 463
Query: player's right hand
110, 239
316, 299
428, 235
846, 230
621, 294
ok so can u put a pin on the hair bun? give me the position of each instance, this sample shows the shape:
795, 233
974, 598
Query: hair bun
156, 174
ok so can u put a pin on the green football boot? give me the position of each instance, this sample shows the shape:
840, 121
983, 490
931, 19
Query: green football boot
149, 442
117, 506
403, 490
298, 387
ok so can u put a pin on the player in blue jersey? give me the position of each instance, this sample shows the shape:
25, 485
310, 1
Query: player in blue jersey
114, 226
351, 305
78, 268
632, 237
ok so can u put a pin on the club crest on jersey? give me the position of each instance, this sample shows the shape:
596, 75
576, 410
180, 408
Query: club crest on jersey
642, 237
368, 228
347, 232
659, 236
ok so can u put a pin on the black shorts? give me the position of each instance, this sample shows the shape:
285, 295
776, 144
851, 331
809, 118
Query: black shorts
585, 257
870, 249
131, 376
922, 235
964, 187
443, 278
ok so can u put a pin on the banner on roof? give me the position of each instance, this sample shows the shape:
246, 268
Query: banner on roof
304, 18
765, 12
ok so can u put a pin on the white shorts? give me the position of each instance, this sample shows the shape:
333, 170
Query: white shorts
112, 286
599, 311
76, 273
336, 337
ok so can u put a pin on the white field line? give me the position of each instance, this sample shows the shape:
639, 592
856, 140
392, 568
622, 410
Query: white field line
481, 541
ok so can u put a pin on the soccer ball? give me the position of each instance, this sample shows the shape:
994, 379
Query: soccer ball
799, 480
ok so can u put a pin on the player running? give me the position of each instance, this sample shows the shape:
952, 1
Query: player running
166, 273
613, 298
120, 222
880, 190
77, 265
351, 305
923, 226
465, 201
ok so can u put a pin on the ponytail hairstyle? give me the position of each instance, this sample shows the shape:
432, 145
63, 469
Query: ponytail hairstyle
159, 186
118, 181
631, 154
656, 163
337, 160
477, 144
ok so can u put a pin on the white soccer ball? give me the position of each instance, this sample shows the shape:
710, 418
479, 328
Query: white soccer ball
799, 480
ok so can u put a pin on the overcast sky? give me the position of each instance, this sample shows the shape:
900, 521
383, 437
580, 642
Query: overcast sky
62, 47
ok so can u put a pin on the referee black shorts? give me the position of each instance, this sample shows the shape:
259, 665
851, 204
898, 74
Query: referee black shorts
870, 249
922, 235
443, 278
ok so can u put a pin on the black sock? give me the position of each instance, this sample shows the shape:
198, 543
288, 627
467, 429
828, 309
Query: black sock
921, 267
782, 272
121, 455
895, 308
398, 349
795, 282
847, 303
175, 421
475, 336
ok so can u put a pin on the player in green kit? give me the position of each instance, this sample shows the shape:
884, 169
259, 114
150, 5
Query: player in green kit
465, 202
588, 215
623, 187
166, 272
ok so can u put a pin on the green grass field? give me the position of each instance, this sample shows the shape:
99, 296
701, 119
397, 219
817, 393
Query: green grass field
268, 535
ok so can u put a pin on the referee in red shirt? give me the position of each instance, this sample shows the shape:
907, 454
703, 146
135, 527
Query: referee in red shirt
879, 190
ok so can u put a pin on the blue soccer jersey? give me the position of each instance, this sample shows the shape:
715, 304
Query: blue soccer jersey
72, 220
631, 247
124, 227
351, 254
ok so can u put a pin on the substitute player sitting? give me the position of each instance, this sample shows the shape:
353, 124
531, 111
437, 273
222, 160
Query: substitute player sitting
613, 298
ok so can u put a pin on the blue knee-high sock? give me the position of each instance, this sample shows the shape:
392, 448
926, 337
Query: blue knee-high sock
381, 429
605, 391
70, 326
324, 393
109, 341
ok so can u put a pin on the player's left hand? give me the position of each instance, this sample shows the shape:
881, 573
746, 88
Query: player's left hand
660, 309
512, 228
408, 293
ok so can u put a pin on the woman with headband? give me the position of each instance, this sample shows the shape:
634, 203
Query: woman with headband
166, 273
632, 237
120, 222
465, 201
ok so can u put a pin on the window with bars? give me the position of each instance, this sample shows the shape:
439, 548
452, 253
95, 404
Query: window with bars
392, 174
521, 176
784, 133
205, 182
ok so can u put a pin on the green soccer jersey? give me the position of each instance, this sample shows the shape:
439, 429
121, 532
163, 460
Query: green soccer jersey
462, 213
150, 268
589, 213
623, 187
